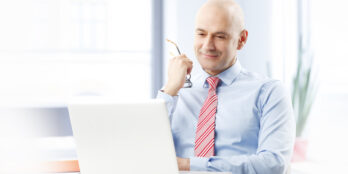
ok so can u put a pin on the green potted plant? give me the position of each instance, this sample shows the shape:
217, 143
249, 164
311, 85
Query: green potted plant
303, 94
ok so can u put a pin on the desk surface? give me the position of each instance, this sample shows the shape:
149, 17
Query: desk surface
192, 172
181, 172
72, 165
52, 157
69, 167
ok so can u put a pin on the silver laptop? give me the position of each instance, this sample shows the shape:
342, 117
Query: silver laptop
123, 137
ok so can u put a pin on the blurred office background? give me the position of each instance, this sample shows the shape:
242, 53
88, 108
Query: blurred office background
54, 50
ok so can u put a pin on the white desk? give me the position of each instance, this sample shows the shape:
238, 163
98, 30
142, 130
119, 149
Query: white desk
60, 148
182, 172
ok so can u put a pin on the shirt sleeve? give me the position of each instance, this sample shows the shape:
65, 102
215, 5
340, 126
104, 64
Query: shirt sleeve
275, 143
170, 101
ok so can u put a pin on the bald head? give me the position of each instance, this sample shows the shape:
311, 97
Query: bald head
229, 10
219, 33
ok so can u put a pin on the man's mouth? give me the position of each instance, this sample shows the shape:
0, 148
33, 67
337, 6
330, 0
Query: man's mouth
211, 56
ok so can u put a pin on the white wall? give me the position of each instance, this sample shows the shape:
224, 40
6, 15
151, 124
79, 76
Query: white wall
256, 55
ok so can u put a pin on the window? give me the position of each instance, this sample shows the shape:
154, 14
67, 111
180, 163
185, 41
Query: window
325, 31
328, 142
55, 49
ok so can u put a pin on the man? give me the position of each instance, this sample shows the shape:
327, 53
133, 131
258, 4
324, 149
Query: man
231, 119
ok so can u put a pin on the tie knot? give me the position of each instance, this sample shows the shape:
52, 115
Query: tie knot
213, 81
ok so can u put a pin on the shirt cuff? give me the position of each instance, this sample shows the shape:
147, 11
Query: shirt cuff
170, 101
198, 164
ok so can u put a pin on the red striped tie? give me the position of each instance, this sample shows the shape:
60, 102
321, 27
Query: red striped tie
204, 143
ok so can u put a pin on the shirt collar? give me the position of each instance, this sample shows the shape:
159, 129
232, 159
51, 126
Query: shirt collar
226, 77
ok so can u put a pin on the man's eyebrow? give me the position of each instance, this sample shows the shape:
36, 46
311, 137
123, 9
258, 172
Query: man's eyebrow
221, 32
199, 29
216, 33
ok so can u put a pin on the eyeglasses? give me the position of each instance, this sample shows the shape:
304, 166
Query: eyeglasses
188, 83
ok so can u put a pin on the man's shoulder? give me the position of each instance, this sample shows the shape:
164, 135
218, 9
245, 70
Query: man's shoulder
267, 86
263, 84
257, 78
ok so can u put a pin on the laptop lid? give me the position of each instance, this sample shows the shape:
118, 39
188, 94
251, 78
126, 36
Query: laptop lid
123, 137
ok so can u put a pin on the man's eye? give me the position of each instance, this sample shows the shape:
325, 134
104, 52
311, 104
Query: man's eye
200, 34
221, 37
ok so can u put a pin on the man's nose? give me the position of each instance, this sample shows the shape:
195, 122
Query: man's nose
209, 43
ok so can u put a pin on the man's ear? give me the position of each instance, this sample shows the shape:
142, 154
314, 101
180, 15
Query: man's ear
243, 37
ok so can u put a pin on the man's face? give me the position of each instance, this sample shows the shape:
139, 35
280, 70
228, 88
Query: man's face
216, 40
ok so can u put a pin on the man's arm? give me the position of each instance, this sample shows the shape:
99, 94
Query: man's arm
179, 67
170, 101
276, 138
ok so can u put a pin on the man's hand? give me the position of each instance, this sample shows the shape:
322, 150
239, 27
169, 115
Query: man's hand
183, 163
179, 67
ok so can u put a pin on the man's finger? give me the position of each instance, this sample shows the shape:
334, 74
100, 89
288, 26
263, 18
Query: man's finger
189, 68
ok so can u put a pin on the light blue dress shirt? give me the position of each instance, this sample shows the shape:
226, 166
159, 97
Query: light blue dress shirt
255, 127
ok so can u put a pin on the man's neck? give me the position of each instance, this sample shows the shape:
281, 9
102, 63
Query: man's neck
218, 72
